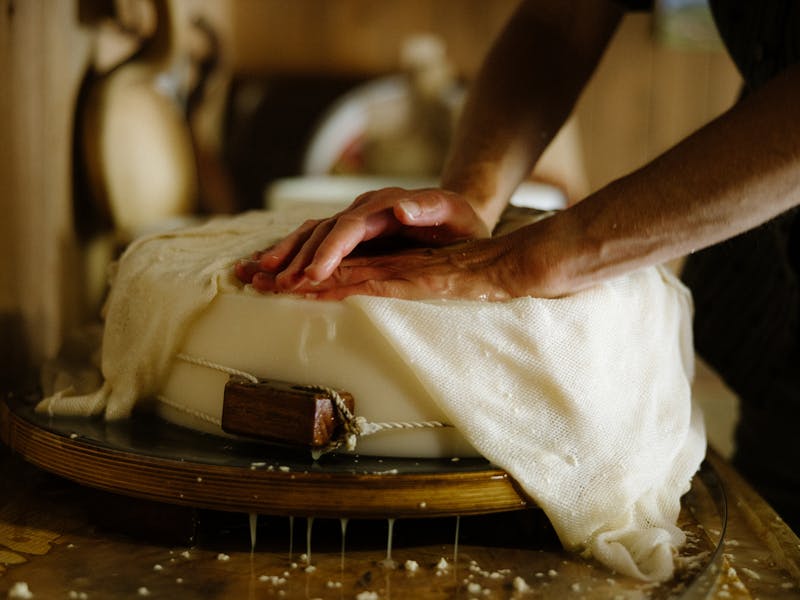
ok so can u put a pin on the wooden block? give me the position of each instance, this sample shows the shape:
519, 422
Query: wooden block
281, 412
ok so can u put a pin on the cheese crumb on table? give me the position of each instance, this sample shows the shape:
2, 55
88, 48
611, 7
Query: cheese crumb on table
20, 591
520, 585
474, 588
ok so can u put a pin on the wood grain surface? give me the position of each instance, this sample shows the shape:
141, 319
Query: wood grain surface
64, 539
152, 460
61, 538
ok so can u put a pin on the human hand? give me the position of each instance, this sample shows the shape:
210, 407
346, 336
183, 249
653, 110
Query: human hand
485, 269
312, 252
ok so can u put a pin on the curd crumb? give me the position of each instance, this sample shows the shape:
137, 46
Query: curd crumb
520, 585
20, 591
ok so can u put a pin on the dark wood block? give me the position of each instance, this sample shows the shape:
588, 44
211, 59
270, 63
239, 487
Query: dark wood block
281, 412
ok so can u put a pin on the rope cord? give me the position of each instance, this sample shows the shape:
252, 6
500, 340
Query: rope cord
190, 411
196, 360
354, 427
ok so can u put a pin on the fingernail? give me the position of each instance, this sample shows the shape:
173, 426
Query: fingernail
244, 270
311, 279
267, 260
411, 208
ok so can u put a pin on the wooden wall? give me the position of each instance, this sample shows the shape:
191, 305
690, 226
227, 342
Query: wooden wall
646, 96
643, 99
358, 37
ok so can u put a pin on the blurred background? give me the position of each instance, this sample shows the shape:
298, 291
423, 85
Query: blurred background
119, 117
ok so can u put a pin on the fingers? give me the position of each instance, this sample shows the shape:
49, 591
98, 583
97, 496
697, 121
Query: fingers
245, 270
430, 215
347, 232
312, 253
332, 240
276, 256
337, 290
423, 273
434, 208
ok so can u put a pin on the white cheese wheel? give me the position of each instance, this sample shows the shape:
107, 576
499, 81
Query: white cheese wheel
310, 343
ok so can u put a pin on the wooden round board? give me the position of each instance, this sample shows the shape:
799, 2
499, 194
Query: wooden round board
146, 457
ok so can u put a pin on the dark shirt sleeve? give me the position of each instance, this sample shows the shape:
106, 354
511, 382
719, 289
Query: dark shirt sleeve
763, 37
635, 4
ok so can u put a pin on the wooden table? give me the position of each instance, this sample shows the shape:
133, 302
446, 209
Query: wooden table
68, 541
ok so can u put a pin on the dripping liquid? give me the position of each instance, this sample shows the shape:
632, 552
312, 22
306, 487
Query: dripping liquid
309, 525
455, 541
253, 531
388, 562
343, 522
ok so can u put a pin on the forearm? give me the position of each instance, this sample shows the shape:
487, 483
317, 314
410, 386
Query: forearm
524, 92
735, 173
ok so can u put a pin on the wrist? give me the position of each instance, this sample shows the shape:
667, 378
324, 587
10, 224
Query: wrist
556, 257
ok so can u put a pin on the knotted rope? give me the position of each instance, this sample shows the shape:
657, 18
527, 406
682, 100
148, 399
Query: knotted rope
354, 427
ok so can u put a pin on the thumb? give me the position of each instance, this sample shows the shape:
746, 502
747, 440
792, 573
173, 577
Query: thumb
412, 212
423, 208
437, 209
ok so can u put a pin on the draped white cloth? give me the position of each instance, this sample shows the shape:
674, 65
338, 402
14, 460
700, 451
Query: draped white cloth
584, 400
